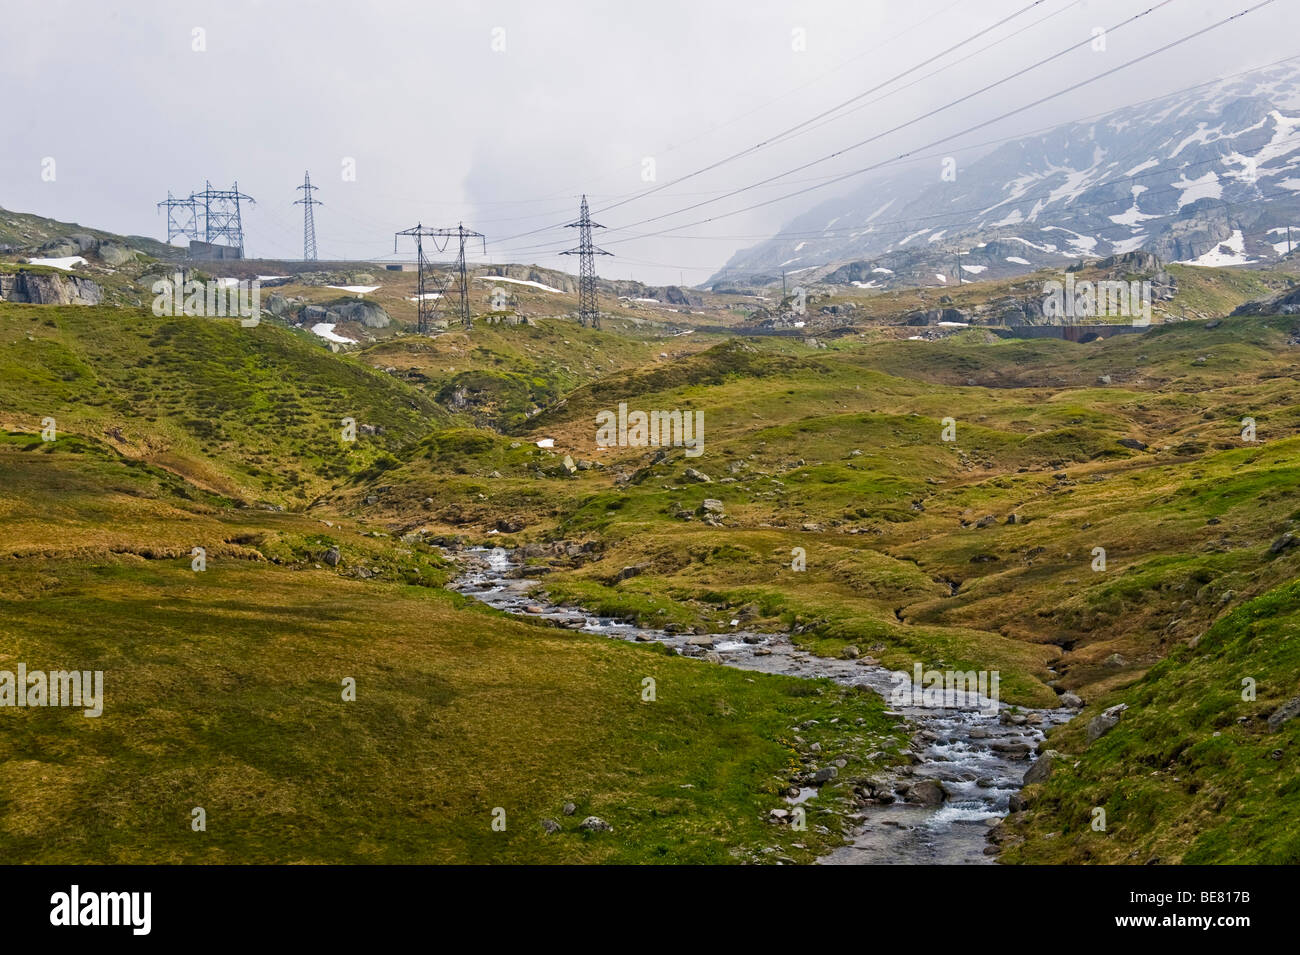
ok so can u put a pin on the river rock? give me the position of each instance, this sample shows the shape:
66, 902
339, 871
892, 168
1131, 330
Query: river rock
1042, 768
928, 792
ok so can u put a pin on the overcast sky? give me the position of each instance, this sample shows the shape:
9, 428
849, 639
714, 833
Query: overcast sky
500, 114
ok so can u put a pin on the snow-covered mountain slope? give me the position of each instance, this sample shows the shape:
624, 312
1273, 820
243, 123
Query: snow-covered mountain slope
1210, 177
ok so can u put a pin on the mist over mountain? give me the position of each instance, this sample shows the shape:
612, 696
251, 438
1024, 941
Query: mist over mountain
1207, 176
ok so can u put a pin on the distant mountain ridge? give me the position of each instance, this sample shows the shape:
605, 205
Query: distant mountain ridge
1210, 176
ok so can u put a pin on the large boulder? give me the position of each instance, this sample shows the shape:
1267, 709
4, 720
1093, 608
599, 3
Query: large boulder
1104, 722
1042, 768
362, 312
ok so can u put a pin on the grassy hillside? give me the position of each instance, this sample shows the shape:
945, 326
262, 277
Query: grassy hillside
1192, 773
252, 413
976, 553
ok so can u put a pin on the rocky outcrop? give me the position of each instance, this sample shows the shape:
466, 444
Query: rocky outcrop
360, 311
1288, 303
43, 288
531, 273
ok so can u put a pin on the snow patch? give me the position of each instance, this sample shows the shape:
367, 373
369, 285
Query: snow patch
66, 263
326, 331
502, 278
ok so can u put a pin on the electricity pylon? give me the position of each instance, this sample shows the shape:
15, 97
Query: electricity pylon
588, 308
308, 220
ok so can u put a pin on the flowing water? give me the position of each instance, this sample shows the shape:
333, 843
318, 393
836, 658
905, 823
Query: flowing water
979, 755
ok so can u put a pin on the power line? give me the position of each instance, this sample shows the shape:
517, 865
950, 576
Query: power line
942, 139
790, 130
927, 115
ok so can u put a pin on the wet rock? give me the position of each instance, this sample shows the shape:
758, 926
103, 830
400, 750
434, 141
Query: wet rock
1011, 748
928, 792
1071, 701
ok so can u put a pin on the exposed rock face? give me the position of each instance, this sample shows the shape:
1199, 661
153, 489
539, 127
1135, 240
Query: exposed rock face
529, 273
674, 295
45, 289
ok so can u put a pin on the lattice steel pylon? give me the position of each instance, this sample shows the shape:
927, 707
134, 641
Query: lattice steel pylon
221, 214
461, 234
588, 308
182, 217
308, 220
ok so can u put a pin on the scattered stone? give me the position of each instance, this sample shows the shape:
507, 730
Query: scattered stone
824, 775
595, 824
550, 826
332, 557
696, 477
1133, 443
1071, 700
569, 809
849, 653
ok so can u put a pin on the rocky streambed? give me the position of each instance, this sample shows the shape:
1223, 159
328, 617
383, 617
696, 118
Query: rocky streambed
969, 765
